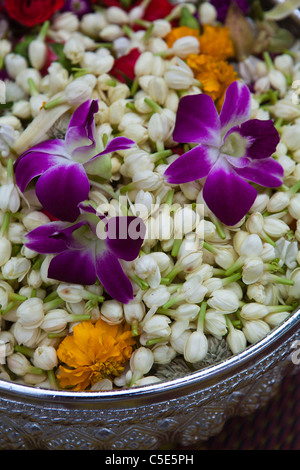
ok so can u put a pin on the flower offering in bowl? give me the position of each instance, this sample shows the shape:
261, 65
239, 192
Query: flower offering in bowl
150, 207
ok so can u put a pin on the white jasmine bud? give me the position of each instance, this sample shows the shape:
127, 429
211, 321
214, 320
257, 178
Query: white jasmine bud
56, 320
25, 76
276, 318
275, 227
72, 293
37, 52
45, 357
66, 21
179, 76
34, 279
252, 270
144, 64
161, 28
111, 32
5, 250
159, 129
116, 15
112, 312
146, 268
16, 268
236, 339
78, 91
9, 198
8, 137
141, 362
278, 202
224, 301
35, 219
157, 89
278, 81
260, 203
196, 347
104, 384
178, 341
255, 330
22, 109
184, 46
92, 23
134, 312
284, 63
255, 223
15, 64
215, 323
207, 13
158, 326
28, 337
256, 292
185, 220
31, 313
253, 311
286, 109
96, 64
74, 49
7, 344
18, 364
156, 297
163, 354
290, 137
186, 311
294, 206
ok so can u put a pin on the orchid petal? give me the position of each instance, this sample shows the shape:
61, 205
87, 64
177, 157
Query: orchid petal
262, 137
62, 188
74, 266
197, 121
42, 239
125, 236
237, 106
193, 165
266, 172
53, 147
100, 164
226, 194
112, 277
33, 165
80, 136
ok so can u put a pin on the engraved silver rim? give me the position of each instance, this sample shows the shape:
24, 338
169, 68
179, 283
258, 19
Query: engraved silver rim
166, 390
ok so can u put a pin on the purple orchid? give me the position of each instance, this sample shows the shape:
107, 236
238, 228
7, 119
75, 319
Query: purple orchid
63, 166
82, 256
222, 7
78, 7
232, 150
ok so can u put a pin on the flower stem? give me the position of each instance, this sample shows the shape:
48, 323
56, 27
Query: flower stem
228, 280
5, 224
53, 304
176, 246
52, 379
281, 280
234, 267
53, 103
294, 189
219, 227
10, 170
201, 315
154, 341
43, 31
156, 108
140, 282
28, 352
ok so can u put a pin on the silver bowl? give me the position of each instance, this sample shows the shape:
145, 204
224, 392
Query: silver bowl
180, 412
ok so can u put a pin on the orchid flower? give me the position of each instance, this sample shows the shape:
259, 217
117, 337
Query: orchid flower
82, 257
63, 166
232, 151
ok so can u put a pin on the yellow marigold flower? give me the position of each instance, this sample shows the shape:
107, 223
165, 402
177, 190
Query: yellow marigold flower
215, 75
180, 32
216, 41
94, 351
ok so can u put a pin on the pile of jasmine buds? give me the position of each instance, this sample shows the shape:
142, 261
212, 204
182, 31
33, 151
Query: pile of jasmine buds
195, 278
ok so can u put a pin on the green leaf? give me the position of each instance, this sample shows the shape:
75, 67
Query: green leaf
187, 19
58, 50
22, 47
282, 10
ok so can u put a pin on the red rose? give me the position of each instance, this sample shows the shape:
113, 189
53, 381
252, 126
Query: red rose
32, 12
124, 66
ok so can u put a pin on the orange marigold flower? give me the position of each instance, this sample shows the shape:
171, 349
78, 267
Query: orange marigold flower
215, 75
216, 41
180, 32
94, 351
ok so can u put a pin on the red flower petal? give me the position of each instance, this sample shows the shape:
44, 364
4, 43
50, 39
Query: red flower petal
32, 12
124, 66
